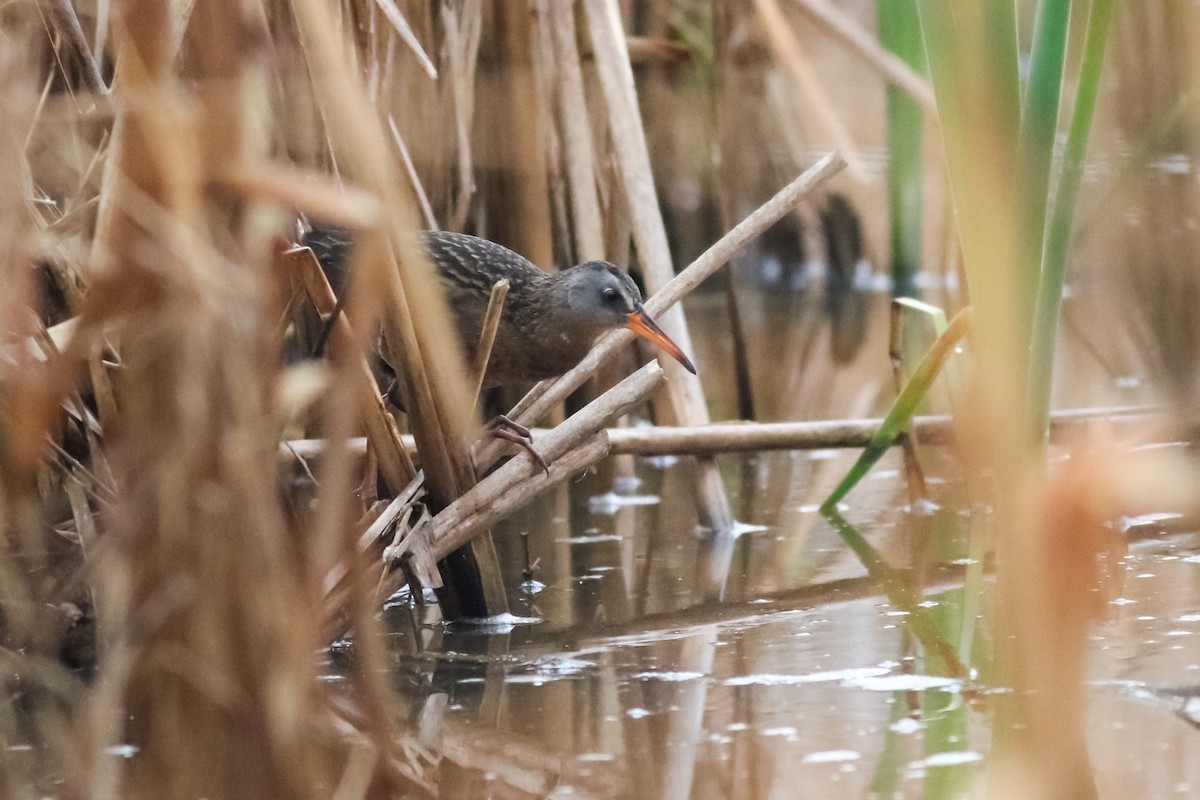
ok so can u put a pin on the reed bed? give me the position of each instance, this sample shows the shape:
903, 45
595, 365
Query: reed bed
196, 509
152, 540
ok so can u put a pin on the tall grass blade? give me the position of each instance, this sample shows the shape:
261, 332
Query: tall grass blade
1035, 150
900, 32
1058, 235
904, 407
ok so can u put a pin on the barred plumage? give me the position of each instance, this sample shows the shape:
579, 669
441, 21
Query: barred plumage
549, 321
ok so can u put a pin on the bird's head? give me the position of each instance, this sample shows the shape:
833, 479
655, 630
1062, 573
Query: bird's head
603, 297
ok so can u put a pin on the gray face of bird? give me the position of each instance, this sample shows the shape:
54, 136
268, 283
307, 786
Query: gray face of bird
602, 295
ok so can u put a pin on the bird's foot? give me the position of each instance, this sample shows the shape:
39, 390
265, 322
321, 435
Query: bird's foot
507, 430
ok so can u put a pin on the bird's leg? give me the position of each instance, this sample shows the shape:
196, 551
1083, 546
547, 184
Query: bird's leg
501, 427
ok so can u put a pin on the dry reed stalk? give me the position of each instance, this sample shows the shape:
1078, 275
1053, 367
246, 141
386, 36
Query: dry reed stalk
582, 165
397, 20
519, 139
314, 194
657, 50
742, 437
28, 635
418, 188
579, 150
102, 389
633, 163
545, 80
788, 51
1077, 572
748, 437
67, 22
686, 395
729, 122
496, 502
839, 24
461, 43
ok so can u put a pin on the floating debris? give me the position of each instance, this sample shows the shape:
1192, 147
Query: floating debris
600, 537
501, 623
122, 750
902, 683
740, 528
669, 676
610, 503
951, 759
832, 676
1125, 523
532, 587
831, 757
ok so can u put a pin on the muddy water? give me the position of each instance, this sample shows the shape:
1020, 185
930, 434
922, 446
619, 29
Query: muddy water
636, 664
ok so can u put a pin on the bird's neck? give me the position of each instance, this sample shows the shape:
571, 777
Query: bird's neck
563, 337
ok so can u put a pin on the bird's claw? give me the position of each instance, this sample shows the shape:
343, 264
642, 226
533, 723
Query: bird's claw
507, 430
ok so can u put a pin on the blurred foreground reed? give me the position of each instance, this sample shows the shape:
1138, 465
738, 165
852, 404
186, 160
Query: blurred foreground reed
152, 543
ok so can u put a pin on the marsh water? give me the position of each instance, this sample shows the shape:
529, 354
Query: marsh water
646, 658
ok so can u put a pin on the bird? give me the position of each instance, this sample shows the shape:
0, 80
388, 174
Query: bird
549, 321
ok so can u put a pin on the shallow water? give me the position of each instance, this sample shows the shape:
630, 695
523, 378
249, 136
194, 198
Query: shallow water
757, 697
636, 665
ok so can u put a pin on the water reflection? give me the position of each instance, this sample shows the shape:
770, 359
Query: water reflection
821, 695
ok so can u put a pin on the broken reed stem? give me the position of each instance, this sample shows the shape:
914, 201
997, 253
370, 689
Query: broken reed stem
487, 335
394, 462
518, 481
395, 515
548, 393
745, 437
841, 26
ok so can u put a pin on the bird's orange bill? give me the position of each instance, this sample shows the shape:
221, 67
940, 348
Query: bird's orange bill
640, 323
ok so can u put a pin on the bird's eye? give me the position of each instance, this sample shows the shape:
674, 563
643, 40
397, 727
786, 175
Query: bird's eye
610, 293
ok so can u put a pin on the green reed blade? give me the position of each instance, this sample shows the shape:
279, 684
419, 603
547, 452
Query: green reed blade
905, 406
1058, 235
1035, 147
900, 33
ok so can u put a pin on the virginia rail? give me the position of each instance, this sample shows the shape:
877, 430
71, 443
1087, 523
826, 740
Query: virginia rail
549, 320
